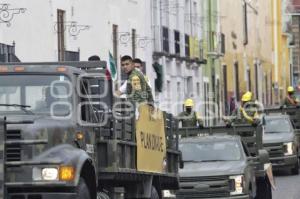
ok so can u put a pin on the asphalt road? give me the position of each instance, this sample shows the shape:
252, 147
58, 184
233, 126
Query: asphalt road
287, 186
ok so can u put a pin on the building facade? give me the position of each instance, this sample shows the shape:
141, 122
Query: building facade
165, 34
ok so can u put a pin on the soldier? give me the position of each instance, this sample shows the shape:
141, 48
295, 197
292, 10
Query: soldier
290, 99
189, 118
247, 112
137, 89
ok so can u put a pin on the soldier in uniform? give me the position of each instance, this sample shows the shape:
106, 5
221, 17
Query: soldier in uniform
137, 89
247, 112
290, 99
189, 118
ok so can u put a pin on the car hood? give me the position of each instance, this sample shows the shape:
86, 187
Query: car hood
278, 137
213, 168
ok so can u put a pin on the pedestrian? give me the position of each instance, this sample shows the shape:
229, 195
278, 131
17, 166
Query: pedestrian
137, 89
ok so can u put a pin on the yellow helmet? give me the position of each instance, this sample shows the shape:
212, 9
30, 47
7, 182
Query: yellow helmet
290, 89
247, 96
189, 102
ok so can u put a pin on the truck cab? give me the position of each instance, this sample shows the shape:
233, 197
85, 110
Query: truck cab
65, 135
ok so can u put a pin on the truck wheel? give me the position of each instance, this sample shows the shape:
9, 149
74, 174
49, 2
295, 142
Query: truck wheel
295, 170
154, 193
82, 190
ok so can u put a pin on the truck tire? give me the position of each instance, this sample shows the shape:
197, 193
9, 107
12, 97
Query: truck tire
154, 193
295, 169
82, 190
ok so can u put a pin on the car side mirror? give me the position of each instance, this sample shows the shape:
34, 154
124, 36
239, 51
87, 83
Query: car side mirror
263, 156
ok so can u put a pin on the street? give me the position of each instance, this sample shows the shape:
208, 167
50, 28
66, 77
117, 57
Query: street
286, 186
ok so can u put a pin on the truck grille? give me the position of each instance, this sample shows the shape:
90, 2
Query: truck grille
212, 187
275, 149
13, 151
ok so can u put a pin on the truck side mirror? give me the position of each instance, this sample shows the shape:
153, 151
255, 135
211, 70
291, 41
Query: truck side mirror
181, 163
263, 156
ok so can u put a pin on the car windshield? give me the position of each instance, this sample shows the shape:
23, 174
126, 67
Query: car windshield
277, 125
211, 151
35, 94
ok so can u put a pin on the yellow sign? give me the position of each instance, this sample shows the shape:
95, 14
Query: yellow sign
151, 141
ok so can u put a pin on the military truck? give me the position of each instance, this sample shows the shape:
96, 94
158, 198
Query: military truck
216, 166
281, 142
220, 184
64, 135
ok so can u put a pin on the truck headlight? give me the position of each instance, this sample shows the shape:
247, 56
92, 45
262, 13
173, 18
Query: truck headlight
288, 148
169, 194
238, 187
45, 174
49, 173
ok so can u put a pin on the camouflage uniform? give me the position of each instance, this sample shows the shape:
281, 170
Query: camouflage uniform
290, 100
190, 120
243, 115
137, 88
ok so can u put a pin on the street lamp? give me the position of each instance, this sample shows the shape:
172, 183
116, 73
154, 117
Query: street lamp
7, 13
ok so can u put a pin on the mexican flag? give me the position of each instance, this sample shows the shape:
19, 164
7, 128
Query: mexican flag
112, 69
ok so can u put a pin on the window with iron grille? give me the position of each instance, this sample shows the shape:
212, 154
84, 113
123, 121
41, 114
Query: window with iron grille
165, 33
249, 79
61, 34
177, 42
133, 35
187, 45
237, 84
245, 23
222, 43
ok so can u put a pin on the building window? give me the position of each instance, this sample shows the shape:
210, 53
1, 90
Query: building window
245, 23
249, 79
256, 80
61, 34
165, 39
115, 52
237, 84
225, 89
189, 86
169, 88
187, 45
177, 42
198, 89
133, 35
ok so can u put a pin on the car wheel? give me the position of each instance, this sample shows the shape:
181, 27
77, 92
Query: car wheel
295, 170
82, 190
154, 193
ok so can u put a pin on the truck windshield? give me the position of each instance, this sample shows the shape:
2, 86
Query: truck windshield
277, 125
35, 94
211, 151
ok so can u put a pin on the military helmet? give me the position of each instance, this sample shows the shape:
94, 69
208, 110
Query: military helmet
290, 89
189, 103
247, 97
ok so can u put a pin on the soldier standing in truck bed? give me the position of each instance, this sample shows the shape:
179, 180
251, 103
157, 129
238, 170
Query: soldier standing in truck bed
137, 88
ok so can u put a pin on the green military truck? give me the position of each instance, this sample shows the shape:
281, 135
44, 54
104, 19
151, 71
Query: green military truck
64, 135
285, 143
222, 183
